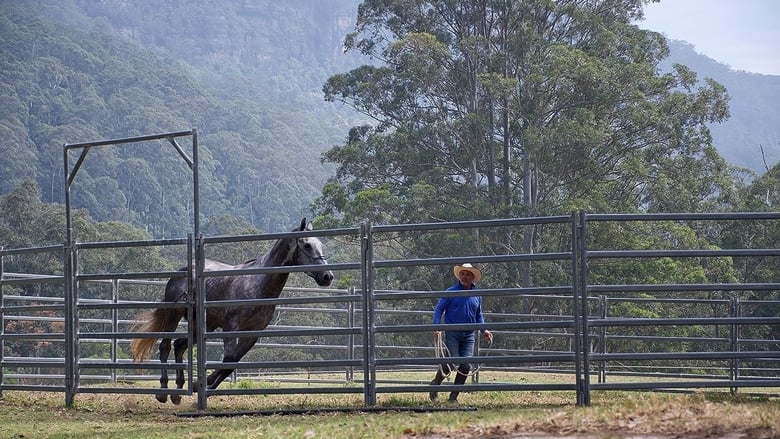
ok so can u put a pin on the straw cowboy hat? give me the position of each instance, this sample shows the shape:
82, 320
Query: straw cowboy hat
468, 267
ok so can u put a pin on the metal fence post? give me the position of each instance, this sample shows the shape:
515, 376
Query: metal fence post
200, 322
68, 293
603, 304
74, 339
350, 375
369, 343
734, 311
575, 275
114, 326
580, 277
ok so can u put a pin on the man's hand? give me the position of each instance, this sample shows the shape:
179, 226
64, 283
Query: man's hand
488, 336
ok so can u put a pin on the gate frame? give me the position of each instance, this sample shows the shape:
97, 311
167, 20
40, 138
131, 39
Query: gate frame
70, 266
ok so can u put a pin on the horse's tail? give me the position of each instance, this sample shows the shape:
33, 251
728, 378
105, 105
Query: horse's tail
150, 321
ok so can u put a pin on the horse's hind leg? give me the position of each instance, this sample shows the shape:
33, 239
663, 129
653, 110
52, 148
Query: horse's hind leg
165, 350
179, 347
235, 349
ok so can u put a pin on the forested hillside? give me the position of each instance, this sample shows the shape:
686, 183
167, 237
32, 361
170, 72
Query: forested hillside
751, 136
249, 79
248, 76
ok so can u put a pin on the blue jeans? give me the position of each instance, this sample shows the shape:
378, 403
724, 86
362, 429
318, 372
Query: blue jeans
460, 344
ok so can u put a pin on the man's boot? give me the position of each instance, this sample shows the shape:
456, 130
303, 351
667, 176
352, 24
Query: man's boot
441, 373
460, 379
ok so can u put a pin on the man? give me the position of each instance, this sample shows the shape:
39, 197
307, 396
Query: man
459, 310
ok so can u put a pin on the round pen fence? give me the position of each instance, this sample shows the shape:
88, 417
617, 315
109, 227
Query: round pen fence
558, 313
356, 340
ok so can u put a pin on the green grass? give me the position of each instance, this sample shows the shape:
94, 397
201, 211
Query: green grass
611, 415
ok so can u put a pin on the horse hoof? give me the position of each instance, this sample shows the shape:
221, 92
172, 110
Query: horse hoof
162, 397
176, 399
195, 386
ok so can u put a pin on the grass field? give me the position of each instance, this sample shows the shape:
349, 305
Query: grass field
480, 414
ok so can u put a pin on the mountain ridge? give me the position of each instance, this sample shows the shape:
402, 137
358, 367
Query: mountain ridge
750, 138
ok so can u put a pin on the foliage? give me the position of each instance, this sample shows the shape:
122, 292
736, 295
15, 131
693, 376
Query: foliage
502, 109
35, 348
477, 118
28, 222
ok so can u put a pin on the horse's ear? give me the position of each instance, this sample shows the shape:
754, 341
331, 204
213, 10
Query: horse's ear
304, 225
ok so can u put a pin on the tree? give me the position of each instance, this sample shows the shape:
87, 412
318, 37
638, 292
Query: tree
517, 108
25, 221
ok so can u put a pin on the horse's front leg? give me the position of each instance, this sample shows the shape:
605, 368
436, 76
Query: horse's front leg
235, 349
165, 350
179, 347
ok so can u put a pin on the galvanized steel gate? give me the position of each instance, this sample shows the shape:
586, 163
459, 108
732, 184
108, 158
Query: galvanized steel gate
72, 278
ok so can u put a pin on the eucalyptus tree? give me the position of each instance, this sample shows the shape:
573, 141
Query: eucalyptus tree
495, 108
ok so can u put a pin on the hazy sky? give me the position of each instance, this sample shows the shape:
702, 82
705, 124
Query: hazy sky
745, 34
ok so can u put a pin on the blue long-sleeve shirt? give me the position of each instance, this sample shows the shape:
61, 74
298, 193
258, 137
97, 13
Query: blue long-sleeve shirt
462, 309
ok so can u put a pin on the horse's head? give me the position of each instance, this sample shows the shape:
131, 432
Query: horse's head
309, 251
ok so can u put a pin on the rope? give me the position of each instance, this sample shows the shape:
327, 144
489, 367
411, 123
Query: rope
441, 351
